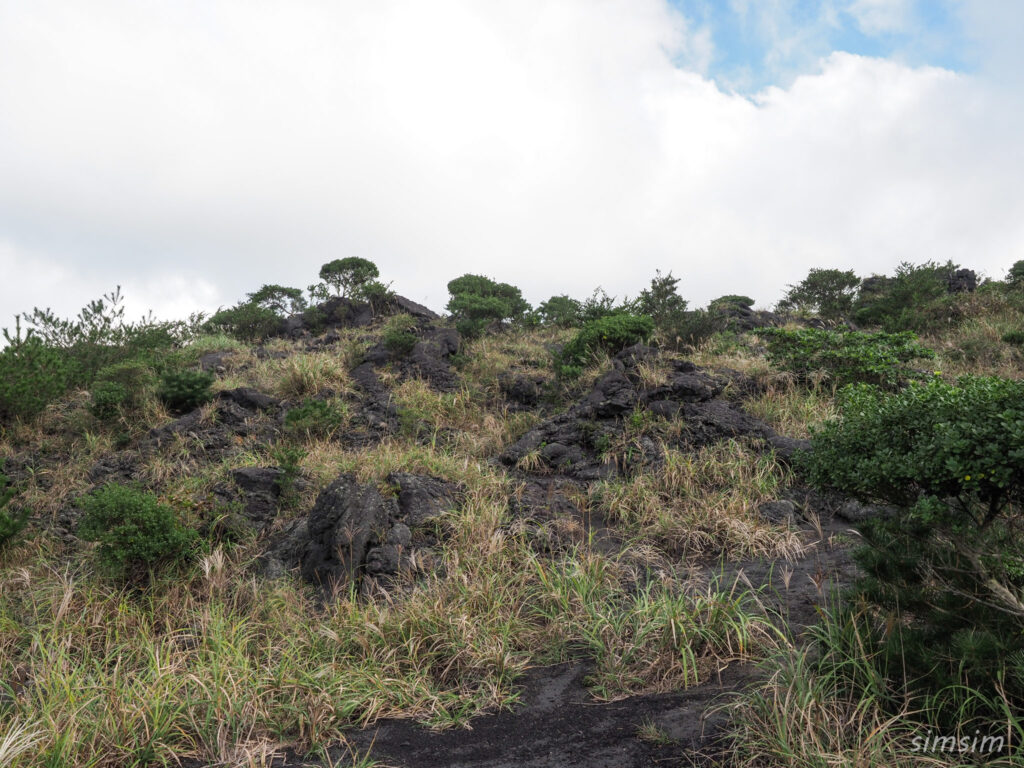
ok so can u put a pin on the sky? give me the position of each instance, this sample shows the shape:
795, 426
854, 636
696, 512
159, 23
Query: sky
192, 150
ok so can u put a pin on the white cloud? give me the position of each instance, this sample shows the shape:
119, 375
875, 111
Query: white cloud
192, 152
876, 17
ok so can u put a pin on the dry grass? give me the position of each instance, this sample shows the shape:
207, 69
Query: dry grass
703, 503
791, 408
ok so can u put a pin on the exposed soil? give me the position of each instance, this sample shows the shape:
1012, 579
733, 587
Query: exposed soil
558, 723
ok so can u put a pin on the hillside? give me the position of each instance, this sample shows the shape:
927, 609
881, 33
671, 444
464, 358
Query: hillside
351, 531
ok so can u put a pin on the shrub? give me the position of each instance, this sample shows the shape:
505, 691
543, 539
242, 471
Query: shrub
846, 356
10, 524
900, 303
477, 301
182, 391
692, 328
289, 460
1014, 337
400, 334
828, 292
661, 301
945, 571
32, 373
246, 321
731, 301
136, 533
120, 387
349, 276
279, 299
610, 334
599, 304
1015, 276
315, 418
560, 312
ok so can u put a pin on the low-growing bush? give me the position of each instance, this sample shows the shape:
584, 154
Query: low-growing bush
315, 418
183, 391
118, 388
560, 312
247, 322
399, 335
1016, 338
944, 568
845, 356
477, 301
136, 533
610, 334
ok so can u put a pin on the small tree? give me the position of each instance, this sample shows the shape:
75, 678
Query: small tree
828, 292
945, 570
349, 276
560, 312
661, 302
279, 299
476, 301
1015, 277
135, 531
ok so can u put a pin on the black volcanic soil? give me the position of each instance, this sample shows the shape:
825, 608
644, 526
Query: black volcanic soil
558, 723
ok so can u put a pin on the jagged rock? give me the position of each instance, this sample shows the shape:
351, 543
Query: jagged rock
430, 357
355, 536
213, 362
521, 389
120, 467
575, 443
786, 447
422, 499
410, 307
250, 399
962, 281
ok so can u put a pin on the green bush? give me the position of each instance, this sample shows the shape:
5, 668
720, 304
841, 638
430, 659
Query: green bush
32, 373
120, 387
599, 304
348, 277
136, 533
477, 301
915, 299
690, 329
560, 312
399, 335
846, 356
315, 418
183, 391
731, 301
1014, 337
830, 293
247, 322
945, 571
610, 334
661, 302
10, 524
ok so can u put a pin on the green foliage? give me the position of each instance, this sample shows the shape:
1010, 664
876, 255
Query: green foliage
1014, 337
599, 304
560, 312
315, 418
946, 569
136, 533
32, 374
661, 301
906, 302
610, 334
477, 301
730, 301
120, 387
279, 299
182, 391
690, 329
349, 276
846, 356
1015, 277
830, 293
289, 461
10, 524
399, 335
247, 322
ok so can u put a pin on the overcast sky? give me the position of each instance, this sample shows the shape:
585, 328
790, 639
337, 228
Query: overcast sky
192, 150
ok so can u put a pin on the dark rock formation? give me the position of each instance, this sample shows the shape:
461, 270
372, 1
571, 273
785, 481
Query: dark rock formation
354, 536
574, 443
